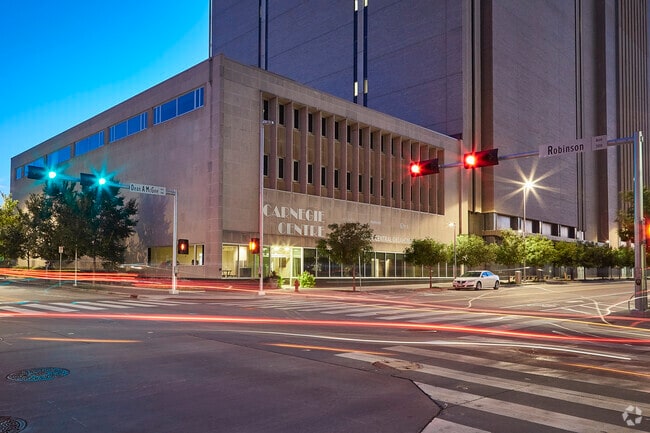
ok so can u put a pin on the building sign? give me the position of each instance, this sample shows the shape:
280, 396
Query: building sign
297, 221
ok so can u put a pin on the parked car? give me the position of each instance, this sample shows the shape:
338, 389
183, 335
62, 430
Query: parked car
476, 280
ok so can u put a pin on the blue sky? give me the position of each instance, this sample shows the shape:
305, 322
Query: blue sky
69, 60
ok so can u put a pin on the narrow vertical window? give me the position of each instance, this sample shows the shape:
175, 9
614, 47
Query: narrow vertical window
296, 172
280, 168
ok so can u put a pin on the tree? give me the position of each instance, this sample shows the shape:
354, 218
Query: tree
511, 249
472, 250
12, 230
567, 254
539, 250
427, 253
625, 217
346, 244
93, 221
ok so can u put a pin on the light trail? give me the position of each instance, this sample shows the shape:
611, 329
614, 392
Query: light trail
610, 370
444, 343
333, 323
325, 348
79, 340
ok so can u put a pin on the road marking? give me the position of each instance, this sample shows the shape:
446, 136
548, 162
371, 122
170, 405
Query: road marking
79, 306
104, 304
594, 400
440, 425
18, 310
528, 413
50, 308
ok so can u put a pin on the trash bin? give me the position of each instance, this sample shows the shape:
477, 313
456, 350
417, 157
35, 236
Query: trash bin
517, 277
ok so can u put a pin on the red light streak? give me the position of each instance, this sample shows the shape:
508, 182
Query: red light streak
336, 324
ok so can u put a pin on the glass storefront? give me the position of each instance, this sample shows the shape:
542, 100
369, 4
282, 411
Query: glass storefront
289, 262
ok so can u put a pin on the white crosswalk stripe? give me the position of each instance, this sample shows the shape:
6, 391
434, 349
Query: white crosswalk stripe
76, 306
531, 396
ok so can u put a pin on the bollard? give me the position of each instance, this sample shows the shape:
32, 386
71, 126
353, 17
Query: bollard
296, 285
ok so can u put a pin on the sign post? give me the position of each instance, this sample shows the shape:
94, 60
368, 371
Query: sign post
161, 190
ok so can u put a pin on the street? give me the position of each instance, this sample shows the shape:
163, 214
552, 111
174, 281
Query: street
538, 358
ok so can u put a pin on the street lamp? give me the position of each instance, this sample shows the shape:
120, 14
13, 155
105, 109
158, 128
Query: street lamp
261, 216
528, 185
454, 226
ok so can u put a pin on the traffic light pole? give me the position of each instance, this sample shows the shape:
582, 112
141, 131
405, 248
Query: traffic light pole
174, 291
640, 283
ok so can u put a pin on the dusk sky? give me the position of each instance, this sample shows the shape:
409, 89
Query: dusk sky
69, 60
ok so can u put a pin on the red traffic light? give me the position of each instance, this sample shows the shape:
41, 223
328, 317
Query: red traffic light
183, 246
254, 246
423, 168
484, 158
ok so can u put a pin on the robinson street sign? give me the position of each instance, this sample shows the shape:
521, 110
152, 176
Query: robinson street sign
573, 147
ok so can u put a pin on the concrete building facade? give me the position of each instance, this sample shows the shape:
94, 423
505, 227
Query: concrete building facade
325, 160
505, 74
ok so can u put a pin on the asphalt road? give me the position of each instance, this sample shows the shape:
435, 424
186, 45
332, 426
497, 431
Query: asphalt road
540, 358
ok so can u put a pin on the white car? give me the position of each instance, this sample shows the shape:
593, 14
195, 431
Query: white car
476, 280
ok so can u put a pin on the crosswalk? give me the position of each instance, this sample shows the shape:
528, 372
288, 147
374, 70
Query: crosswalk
477, 394
86, 306
393, 313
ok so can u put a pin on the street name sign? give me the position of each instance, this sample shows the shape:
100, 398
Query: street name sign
573, 147
147, 189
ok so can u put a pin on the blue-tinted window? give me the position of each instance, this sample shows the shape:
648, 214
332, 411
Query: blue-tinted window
40, 162
89, 143
19, 172
176, 107
128, 127
61, 155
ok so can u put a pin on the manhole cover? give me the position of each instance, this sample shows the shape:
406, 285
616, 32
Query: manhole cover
11, 425
38, 374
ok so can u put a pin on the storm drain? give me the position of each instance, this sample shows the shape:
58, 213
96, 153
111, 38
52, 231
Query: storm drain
11, 425
37, 374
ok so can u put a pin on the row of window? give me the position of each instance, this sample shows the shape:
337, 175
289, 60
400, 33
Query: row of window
337, 126
176, 107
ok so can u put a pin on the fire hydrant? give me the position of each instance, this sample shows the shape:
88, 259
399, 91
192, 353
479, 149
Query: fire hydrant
296, 285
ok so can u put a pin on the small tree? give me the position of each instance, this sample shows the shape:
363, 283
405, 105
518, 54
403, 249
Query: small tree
427, 253
511, 249
472, 250
540, 250
12, 230
346, 244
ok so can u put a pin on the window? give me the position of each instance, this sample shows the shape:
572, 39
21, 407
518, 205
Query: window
323, 127
360, 183
280, 168
89, 143
372, 184
348, 180
19, 173
349, 130
128, 127
310, 173
40, 162
296, 172
336, 130
266, 165
281, 115
59, 156
266, 109
296, 118
179, 106
310, 122
323, 176
336, 178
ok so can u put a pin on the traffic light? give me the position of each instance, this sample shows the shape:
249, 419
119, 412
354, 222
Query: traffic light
423, 168
484, 158
39, 173
87, 179
254, 246
183, 246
